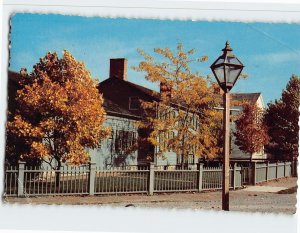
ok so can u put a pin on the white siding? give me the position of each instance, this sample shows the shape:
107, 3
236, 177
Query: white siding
105, 156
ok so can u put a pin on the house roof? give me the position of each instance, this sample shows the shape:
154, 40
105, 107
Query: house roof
13, 76
117, 83
147, 91
114, 109
144, 90
249, 97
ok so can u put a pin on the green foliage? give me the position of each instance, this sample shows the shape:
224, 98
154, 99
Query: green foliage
282, 118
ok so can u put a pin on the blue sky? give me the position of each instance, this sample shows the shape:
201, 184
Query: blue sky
269, 51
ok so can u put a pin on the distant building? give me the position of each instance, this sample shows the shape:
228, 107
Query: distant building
255, 99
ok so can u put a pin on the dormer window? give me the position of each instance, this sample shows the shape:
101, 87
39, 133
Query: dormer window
134, 103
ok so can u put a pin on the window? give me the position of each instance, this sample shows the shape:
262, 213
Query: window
124, 140
134, 103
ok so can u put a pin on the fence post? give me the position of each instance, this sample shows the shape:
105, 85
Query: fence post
200, 176
233, 177
254, 173
21, 169
294, 164
277, 170
284, 169
267, 171
92, 168
151, 179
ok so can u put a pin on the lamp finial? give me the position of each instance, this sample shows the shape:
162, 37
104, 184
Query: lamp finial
227, 47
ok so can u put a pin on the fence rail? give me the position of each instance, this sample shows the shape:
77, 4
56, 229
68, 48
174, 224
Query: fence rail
11, 181
89, 180
271, 171
175, 181
121, 181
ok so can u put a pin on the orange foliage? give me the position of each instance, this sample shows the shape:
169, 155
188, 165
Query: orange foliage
251, 132
60, 112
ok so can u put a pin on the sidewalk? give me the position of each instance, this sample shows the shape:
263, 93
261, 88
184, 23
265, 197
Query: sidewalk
275, 186
240, 200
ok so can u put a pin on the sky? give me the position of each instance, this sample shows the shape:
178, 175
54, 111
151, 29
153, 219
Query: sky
269, 51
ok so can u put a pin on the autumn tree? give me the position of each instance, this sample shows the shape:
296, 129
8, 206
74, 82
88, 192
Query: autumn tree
282, 117
15, 146
251, 132
183, 120
59, 112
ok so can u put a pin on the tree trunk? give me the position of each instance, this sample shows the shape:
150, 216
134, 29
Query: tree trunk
182, 161
57, 174
182, 154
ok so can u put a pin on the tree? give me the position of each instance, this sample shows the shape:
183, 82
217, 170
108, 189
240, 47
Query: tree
183, 120
282, 118
59, 113
251, 132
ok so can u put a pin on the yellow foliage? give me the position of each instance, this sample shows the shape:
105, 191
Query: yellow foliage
184, 119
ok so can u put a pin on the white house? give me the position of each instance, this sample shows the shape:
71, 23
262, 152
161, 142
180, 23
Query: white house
253, 98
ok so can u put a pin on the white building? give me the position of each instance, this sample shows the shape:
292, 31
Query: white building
252, 98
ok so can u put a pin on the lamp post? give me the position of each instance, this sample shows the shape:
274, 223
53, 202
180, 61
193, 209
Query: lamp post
226, 69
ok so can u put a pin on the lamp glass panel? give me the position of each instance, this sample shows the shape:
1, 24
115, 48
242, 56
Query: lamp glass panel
233, 60
231, 74
220, 61
219, 71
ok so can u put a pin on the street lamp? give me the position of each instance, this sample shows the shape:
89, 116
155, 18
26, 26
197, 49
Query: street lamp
227, 68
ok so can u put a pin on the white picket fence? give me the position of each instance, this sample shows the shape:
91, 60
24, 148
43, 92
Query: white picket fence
24, 180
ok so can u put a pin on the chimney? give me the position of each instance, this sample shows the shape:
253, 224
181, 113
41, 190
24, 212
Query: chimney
118, 68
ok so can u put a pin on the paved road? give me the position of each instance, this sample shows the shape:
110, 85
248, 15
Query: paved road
260, 199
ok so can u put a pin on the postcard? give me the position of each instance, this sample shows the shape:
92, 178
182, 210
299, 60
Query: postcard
112, 116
